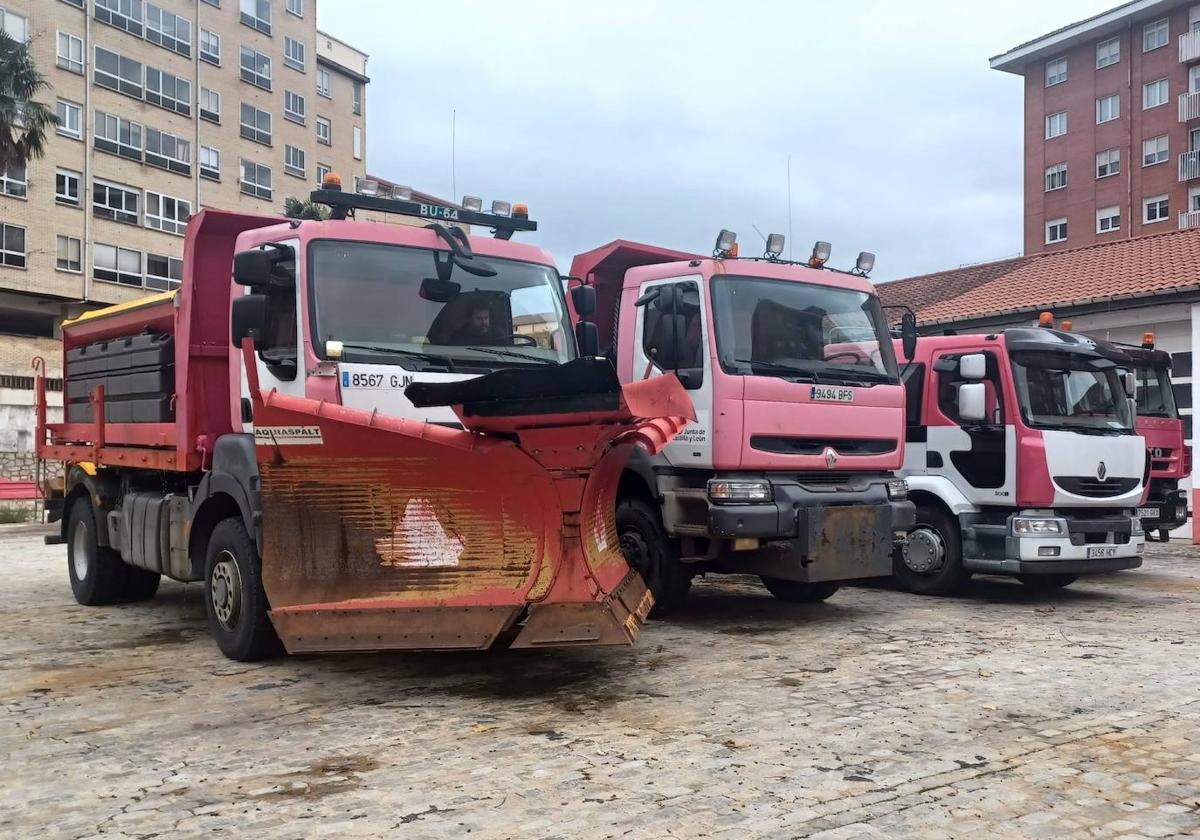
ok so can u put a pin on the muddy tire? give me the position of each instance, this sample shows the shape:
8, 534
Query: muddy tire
97, 572
931, 562
800, 592
652, 554
1047, 583
238, 613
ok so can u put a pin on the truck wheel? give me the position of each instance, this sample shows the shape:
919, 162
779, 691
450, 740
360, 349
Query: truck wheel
1047, 583
652, 554
800, 592
97, 572
930, 563
234, 598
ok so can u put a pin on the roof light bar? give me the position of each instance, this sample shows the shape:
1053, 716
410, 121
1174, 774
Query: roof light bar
864, 263
726, 244
820, 254
473, 203
774, 246
344, 203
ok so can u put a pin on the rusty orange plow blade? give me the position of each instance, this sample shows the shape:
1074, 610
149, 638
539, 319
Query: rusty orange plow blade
383, 533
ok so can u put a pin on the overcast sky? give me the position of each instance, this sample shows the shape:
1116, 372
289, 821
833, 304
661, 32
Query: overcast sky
666, 121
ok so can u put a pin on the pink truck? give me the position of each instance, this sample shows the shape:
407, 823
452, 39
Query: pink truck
788, 472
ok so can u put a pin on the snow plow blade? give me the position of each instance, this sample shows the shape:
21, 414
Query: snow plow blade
381, 533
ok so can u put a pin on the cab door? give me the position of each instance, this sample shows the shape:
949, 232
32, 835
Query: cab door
979, 455
671, 335
279, 360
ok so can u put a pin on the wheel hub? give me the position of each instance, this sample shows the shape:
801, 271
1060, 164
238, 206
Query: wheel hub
226, 590
636, 552
79, 552
925, 551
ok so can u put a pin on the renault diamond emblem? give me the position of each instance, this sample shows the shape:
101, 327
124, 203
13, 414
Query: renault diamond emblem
1101, 471
830, 457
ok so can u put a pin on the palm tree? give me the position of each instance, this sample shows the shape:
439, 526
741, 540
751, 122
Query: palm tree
23, 122
295, 208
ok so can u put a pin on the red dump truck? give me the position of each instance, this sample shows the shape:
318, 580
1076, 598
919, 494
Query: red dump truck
248, 430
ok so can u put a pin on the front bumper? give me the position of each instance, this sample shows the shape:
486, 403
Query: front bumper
809, 535
1090, 545
1164, 510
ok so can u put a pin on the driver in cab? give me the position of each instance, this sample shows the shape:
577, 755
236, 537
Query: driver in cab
477, 330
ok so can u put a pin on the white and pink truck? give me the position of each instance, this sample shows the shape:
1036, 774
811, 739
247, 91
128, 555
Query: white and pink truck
789, 471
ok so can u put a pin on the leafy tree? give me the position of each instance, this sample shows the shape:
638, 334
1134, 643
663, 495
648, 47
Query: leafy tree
23, 122
296, 208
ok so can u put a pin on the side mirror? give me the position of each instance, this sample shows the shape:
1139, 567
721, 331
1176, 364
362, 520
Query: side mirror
248, 318
583, 298
669, 350
253, 268
973, 367
1129, 379
972, 406
588, 339
908, 335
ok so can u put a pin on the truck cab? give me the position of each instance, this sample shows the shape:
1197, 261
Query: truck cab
788, 472
1022, 460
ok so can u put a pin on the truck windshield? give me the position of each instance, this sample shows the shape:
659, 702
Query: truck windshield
1155, 398
802, 330
1069, 391
387, 304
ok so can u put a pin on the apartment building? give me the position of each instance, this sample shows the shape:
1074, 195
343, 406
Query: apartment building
166, 106
1112, 126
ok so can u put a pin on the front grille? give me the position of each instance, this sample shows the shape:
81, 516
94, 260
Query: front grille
790, 445
1094, 488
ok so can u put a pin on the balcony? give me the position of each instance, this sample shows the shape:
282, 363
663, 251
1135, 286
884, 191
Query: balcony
1189, 47
1189, 165
1189, 107
1189, 219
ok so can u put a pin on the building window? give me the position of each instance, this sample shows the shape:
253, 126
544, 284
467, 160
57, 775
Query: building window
1056, 71
1108, 52
66, 187
210, 47
70, 52
14, 181
1108, 163
296, 7
69, 119
1193, 199
169, 30
216, 3
210, 163
163, 273
357, 102
322, 171
257, 15
293, 161
69, 254
1056, 124
323, 82
16, 26
324, 132
1155, 209
116, 265
123, 14
115, 201
1155, 35
256, 68
116, 72
1155, 150
210, 105
1155, 93
168, 91
118, 136
1108, 108
256, 179
293, 54
358, 150
1108, 219
1056, 231
12, 245
166, 213
168, 151
293, 107
256, 124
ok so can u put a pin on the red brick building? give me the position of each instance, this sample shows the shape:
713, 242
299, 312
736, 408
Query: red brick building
1112, 126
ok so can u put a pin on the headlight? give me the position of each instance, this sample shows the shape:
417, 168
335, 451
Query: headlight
1025, 525
744, 490
897, 489
1137, 529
